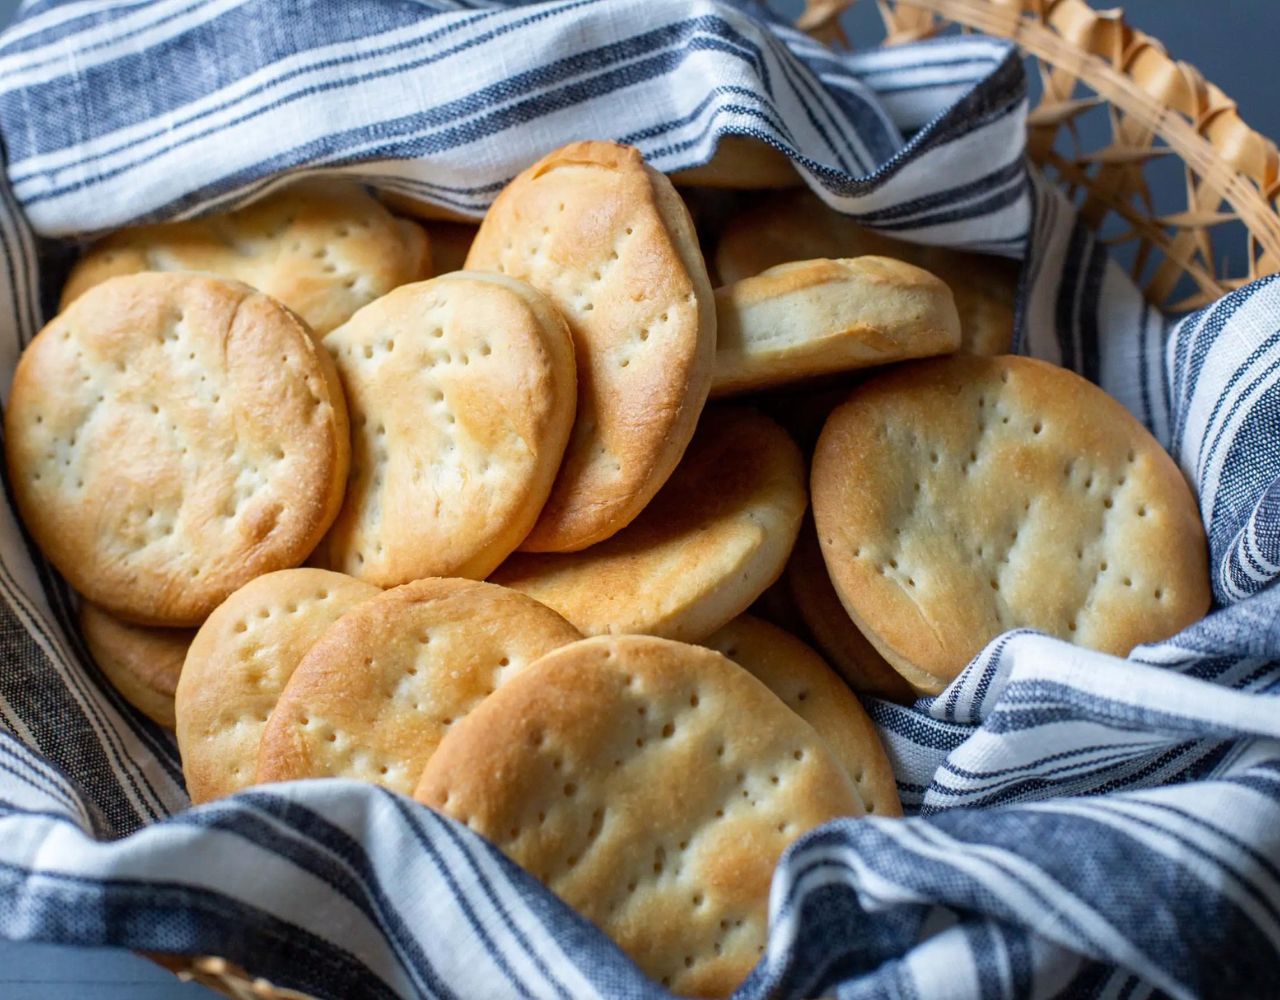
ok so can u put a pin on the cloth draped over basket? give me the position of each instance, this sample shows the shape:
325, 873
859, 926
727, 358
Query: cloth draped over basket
1077, 823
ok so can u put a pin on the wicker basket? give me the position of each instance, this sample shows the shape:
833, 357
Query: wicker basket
1089, 62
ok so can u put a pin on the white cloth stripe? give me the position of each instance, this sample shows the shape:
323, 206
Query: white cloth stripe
339, 889
26, 69
51, 18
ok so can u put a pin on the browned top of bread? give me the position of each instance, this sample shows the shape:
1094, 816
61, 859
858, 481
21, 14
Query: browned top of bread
172, 436
610, 242
958, 498
653, 787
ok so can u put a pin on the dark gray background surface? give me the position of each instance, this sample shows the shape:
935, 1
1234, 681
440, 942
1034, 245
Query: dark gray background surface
1231, 41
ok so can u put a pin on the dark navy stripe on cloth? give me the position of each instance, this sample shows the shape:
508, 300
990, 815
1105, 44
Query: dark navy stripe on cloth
1078, 824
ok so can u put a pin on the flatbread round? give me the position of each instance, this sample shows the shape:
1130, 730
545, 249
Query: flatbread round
461, 392
322, 247
833, 631
715, 537
958, 498
240, 661
172, 436
141, 662
798, 675
818, 317
796, 225
610, 242
652, 786
381, 687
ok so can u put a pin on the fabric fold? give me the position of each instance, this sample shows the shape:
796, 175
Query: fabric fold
1078, 822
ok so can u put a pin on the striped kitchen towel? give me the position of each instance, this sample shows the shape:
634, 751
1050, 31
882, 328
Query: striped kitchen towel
1077, 824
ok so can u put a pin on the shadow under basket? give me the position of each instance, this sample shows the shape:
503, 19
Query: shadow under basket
1160, 113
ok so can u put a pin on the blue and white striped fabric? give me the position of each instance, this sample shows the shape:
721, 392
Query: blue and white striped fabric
1078, 824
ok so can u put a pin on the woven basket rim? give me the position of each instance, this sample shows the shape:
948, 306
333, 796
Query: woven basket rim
1151, 96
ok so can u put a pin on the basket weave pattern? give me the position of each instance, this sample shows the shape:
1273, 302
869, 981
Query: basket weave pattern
223, 977
1158, 107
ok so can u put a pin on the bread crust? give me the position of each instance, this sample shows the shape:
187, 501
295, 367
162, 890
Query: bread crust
376, 693
818, 317
712, 540
462, 392
239, 662
323, 247
609, 241
172, 436
568, 769
142, 663
796, 225
961, 497
796, 674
